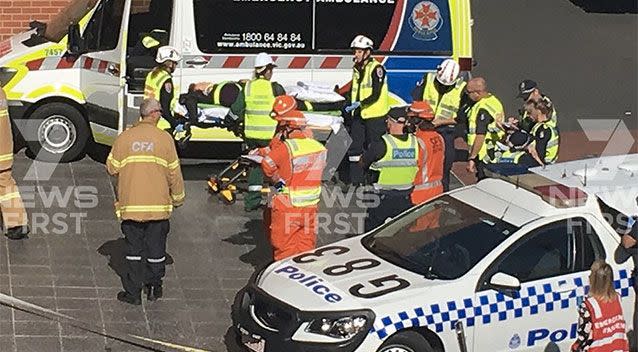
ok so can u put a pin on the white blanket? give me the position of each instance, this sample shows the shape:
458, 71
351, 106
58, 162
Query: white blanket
314, 93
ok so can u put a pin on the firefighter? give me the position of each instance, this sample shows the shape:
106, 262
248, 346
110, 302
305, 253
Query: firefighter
443, 91
252, 108
529, 91
150, 185
14, 216
395, 160
483, 126
159, 85
369, 104
428, 180
294, 164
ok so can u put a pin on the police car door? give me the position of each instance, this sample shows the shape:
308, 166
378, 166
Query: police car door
102, 75
527, 299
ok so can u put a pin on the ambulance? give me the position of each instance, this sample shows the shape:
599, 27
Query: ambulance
501, 265
75, 79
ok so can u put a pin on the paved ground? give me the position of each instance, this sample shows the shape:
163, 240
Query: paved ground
215, 248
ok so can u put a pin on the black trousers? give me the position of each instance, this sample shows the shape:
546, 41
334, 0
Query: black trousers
145, 254
363, 132
392, 204
447, 132
480, 170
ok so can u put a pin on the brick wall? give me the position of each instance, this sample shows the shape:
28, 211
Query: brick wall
15, 15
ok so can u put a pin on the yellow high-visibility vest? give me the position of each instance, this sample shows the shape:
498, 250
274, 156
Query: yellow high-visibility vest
155, 81
398, 167
551, 152
495, 108
308, 161
448, 105
361, 91
259, 101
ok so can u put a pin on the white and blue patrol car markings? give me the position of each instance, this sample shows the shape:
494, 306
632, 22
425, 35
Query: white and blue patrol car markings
487, 308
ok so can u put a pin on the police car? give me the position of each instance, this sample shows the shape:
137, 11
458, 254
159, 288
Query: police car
501, 265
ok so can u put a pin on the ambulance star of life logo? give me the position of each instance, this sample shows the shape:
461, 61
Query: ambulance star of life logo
426, 21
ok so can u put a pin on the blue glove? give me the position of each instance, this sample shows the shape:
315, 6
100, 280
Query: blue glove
179, 128
352, 107
279, 186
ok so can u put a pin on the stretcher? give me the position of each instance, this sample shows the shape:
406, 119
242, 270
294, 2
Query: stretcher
231, 181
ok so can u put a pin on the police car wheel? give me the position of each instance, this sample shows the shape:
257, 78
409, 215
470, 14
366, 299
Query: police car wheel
60, 133
409, 341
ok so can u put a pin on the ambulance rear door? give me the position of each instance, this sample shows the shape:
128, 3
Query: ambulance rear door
102, 72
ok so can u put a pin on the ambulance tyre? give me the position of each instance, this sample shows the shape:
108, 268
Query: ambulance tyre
61, 133
409, 341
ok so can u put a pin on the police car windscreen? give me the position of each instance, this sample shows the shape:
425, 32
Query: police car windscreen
442, 239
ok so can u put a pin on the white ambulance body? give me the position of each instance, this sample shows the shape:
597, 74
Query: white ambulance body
64, 97
503, 266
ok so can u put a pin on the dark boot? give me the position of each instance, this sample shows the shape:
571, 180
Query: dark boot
126, 297
154, 292
18, 232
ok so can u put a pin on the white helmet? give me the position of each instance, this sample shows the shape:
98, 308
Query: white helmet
448, 72
361, 42
263, 60
167, 53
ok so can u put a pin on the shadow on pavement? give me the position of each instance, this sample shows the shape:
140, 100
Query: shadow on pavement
115, 250
615, 6
253, 235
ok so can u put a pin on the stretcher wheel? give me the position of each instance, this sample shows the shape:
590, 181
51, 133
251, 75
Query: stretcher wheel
213, 185
228, 196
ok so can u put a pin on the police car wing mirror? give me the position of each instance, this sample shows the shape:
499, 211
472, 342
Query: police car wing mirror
502, 281
75, 44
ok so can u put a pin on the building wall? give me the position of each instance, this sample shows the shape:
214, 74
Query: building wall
15, 15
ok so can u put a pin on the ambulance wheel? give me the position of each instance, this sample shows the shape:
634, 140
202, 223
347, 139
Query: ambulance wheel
61, 133
409, 341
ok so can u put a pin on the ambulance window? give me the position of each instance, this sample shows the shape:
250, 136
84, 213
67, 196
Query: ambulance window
103, 30
543, 254
247, 26
148, 16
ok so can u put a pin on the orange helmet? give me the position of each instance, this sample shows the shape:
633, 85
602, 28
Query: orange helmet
284, 110
283, 104
421, 109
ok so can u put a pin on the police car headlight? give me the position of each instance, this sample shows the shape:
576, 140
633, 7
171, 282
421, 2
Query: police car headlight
6, 75
342, 328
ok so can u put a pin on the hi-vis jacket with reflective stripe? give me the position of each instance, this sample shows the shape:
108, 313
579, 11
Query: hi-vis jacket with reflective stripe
447, 106
494, 106
6, 138
259, 100
362, 89
150, 179
153, 85
398, 167
551, 149
299, 161
428, 181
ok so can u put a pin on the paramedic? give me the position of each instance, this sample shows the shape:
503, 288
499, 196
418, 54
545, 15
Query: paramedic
252, 108
159, 84
294, 164
149, 186
443, 91
369, 104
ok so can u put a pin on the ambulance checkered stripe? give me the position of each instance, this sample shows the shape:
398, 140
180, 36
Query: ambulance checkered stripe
58, 63
283, 61
487, 308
